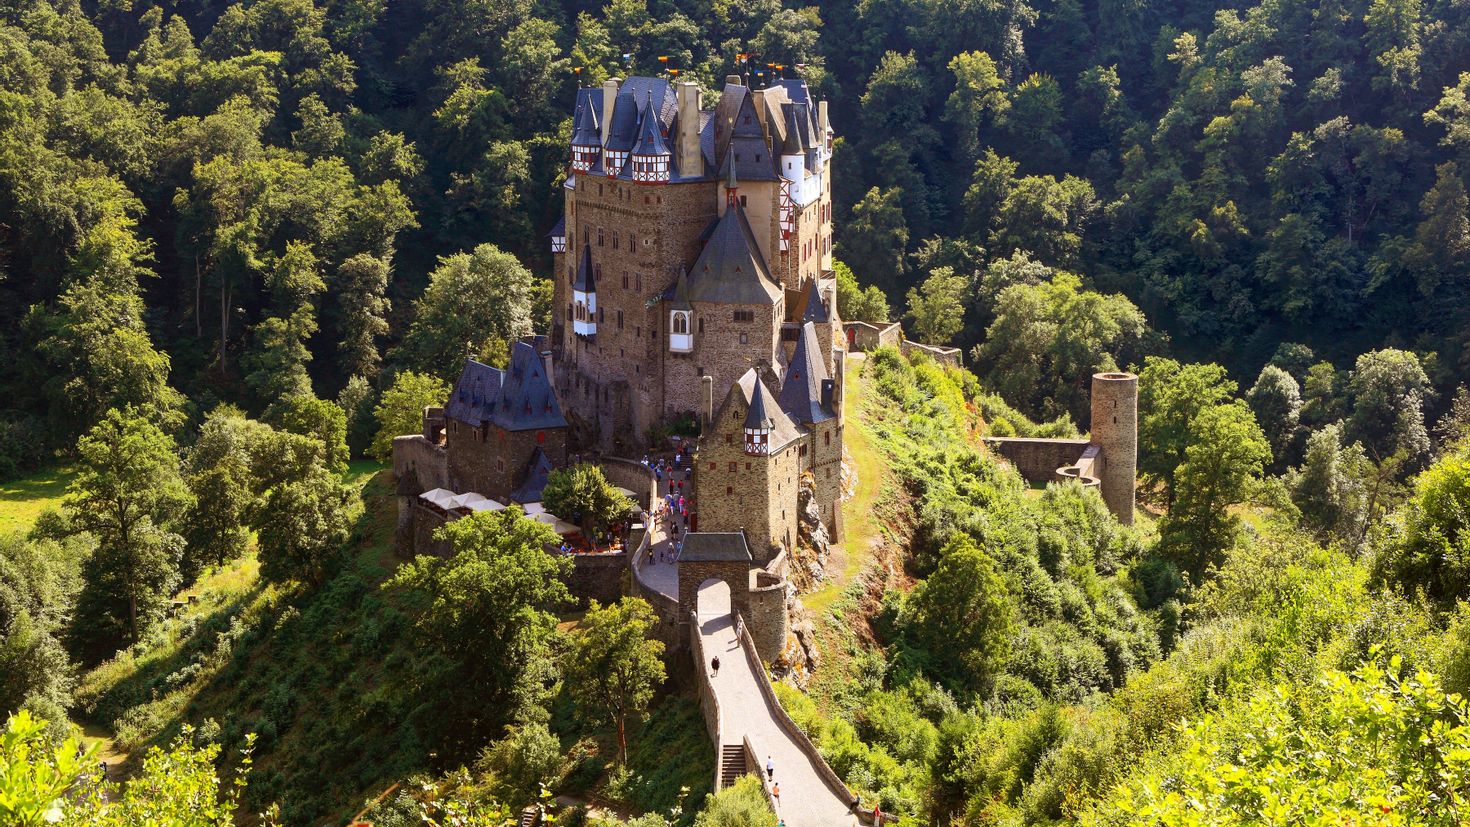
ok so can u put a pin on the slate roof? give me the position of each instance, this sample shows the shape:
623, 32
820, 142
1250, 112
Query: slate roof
678, 294
518, 399
792, 144
814, 309
650, 137
730, 269
527, 399
715, 547
745, 144
756, 418
783, 430
801, 390
473, 399
538, 470
586, 130
586, 280
623, 129
559, 230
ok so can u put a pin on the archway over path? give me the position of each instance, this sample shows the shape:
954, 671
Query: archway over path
713, 599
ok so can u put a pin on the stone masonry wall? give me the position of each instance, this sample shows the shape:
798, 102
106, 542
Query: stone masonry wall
597, 577
411, 452
1037, 459
493, 461
735, 490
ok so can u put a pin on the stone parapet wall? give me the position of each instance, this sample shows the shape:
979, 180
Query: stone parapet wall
412, 452
866, 336
708, 703
632, 475
1037, 460
950, 357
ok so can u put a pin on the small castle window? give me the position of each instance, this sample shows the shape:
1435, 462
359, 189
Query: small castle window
744, 315
600, 237
729, 489
734, 467
625, 275
540, 437
615, 244
701, 330
729, 439
747, 466
826, 437
745, 338
801, 451
601, 314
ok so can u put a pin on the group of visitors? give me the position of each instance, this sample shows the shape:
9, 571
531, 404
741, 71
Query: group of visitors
673, 510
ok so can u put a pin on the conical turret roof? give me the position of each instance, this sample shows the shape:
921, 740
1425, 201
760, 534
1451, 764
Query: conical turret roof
586, 282
585, 129
792, 144
756, 417
650, 139
816, 309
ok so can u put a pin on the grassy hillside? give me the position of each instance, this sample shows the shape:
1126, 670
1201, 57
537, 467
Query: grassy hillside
23, 500
324, 679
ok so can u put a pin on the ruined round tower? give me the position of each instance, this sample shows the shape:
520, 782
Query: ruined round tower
1115, 433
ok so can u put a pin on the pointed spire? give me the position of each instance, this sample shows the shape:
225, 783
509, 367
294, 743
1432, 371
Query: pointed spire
650, 138
792, 145
586, 282
587, 132
756, 419
681, 290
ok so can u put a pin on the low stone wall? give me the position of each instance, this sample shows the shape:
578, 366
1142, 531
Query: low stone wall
865, 336
632, 475
670, 626
425, 522
412, 452
783, 720
947, 356
708, 703
1037, 460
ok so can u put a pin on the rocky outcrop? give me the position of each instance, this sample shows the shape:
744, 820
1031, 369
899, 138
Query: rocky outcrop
813, 544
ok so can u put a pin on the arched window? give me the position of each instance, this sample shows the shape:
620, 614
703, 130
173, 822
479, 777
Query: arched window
681, 321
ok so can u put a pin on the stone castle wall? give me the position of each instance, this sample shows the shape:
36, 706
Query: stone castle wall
492, 461
1037, 460
412, 453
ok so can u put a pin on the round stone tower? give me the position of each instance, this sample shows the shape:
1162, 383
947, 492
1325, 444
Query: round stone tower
1115, 433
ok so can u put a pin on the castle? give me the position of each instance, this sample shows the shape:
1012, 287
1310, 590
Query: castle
693, 292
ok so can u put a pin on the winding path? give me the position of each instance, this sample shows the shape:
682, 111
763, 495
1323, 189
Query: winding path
746, 713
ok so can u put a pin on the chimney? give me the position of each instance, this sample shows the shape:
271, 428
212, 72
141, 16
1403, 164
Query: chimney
609, 99
733, 80
839, 383
823, 138
546, 366
687, 157
760, 112
706, 401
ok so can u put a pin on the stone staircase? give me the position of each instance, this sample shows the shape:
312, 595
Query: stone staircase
732, 764
530, 817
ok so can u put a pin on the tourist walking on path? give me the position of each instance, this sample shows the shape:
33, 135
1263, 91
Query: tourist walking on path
715, 665
776, 793
770, 769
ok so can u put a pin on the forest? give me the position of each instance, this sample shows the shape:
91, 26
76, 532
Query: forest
242, 245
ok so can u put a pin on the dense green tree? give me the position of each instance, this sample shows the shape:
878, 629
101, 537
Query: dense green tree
401, 410
1430, 553
475, 304
484, 617
937, 307
613, 666
319, 419
1276, 401
221, 474
582, 493
962, 616
302, 525
1330, 488
1049, 338
38, 583
877, 236
129, 494
856, 303
1388, 389
362, 282
1221, 467
1170, 396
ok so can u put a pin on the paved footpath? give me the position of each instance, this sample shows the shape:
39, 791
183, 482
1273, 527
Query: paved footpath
806, 800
